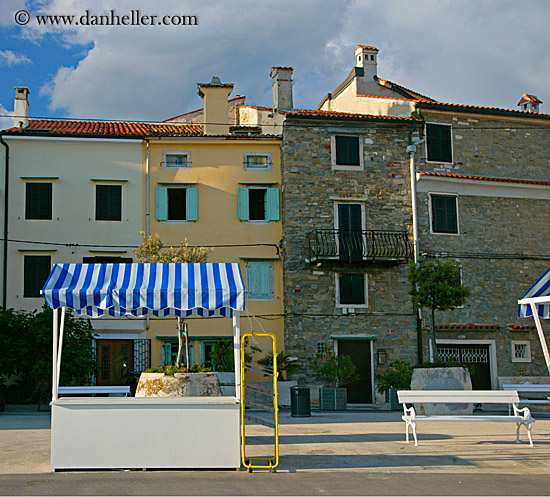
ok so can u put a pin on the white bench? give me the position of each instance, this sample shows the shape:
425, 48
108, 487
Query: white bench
522, 417
92, 390
528, 388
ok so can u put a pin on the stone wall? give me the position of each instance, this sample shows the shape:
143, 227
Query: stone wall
310, 190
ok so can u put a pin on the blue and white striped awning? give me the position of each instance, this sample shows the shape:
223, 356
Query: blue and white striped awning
96, 290
539, 294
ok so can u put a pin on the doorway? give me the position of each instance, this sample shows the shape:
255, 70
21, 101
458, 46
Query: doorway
476, 356
360, 390
115, 359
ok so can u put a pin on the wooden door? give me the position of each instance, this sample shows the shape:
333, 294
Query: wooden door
350, 232
359, 391
115, 358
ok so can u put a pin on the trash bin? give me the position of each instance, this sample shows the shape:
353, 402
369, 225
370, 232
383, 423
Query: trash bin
299, 402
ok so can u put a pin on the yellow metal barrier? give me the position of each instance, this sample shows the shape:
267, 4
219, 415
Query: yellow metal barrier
248, 401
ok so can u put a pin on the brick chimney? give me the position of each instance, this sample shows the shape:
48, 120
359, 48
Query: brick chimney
21, 107
529, 103
282, 89
214, 95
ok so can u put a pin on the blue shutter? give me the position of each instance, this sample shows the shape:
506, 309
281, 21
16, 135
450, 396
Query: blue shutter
272, 204
192, 204
242, 201
260, 280
162, 203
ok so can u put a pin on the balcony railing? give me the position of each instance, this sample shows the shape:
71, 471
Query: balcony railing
359, 246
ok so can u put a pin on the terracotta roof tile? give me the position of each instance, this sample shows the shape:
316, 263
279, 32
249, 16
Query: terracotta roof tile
529, 98
106, 128
332, 113
448, 106
483, 178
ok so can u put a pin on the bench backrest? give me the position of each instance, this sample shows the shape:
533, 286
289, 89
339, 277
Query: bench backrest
94, 389
527, 388
458, 396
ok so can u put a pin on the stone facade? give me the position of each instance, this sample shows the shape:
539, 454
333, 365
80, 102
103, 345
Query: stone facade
312, 189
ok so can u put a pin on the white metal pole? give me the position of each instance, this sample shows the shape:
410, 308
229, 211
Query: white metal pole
60, 348
541, 335
412, 150
54, 354
237, 352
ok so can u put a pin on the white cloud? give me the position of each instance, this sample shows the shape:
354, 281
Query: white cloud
6, 118
9, 58
486, 52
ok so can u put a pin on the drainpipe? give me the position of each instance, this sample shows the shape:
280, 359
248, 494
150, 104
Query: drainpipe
411, 148
5, 262
147, 207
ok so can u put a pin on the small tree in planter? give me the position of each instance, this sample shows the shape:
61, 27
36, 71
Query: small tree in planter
436, 285
335, 372
397, 377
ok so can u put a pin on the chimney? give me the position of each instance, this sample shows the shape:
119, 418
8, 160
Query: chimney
366, 58
216, 108
21, 107
529, 103
282, 89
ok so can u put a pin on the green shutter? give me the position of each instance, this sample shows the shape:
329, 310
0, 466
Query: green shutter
191, 201
260, 280
347, 150
439, 143
108, 203
242, 200
444, 215
36, 271
38, 201
162, 203
352, 289
272, 204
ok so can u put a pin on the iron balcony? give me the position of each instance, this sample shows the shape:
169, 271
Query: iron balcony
359, 246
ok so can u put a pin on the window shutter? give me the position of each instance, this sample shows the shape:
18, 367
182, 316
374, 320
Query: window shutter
444, 215
242, 200
108, 203
451, 225
439, 143
260, 284
36, 271
192, 204
162, 203
345, 289
272, 204
347, 150
352, 289
38, 201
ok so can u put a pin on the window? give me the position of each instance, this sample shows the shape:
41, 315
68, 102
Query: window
351, 290
107, 259
38, 201
444, 213
259, 275
347, 152
218, 354
258, 204
172, 159
257, 160
177, 203
170, 352
439, 143
36, 272
108, 203
521, 351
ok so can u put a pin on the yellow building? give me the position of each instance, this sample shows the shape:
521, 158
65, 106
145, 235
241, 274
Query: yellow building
218, 187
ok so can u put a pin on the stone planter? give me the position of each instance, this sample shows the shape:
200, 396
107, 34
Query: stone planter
227, 383
333, 399
179, 385
442, 379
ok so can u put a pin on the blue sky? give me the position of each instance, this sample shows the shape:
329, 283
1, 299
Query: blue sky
480, 52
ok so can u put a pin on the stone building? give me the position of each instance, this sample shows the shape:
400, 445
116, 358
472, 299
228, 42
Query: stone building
482, 197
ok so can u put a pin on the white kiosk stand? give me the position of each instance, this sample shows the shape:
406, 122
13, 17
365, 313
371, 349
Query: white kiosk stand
128, 432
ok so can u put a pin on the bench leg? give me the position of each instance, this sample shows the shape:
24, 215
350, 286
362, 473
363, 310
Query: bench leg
528, 428
412, 424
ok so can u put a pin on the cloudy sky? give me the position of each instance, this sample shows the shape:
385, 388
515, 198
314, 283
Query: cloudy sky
480, 52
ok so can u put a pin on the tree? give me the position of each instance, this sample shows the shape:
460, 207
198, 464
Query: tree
152, 250
435, 284
27, 342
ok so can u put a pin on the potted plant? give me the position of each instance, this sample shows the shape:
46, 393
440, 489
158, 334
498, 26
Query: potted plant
174, 381
397, 377
285, 367
334, 371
